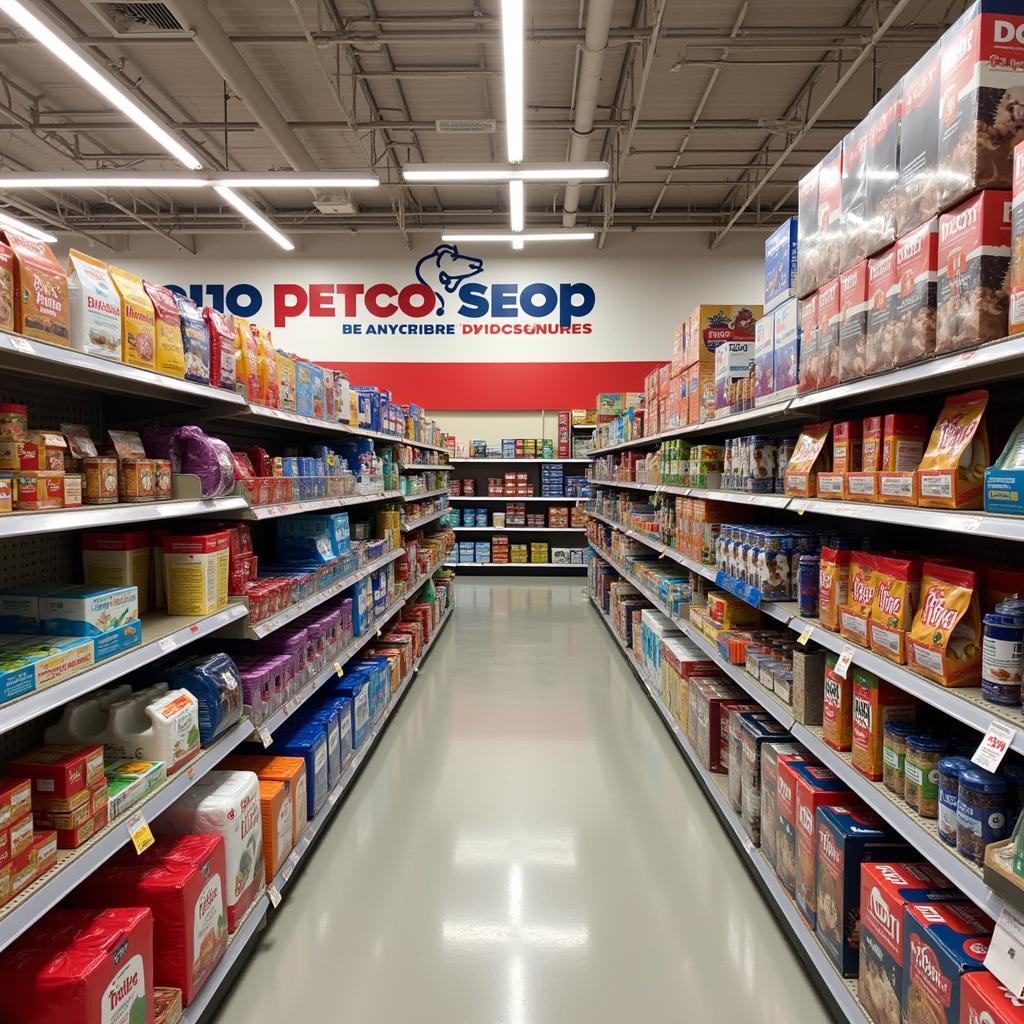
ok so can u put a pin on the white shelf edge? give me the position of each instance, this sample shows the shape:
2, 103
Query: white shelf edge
415, 524
420, 497
519, 529
258, 513
515, 462
515, 565
512, 497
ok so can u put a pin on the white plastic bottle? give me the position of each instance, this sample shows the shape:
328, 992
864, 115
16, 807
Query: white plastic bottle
165, 729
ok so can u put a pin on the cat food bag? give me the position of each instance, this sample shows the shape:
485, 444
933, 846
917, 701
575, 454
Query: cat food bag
917, 275
974, 263
810, 456
95, 307
853, 327
807, 241
882, 172
221, 330
170, 356
227, 804
138, 321
247, 362
897, 594
880, 348
195, 340
918, 198
952, 469
40, 291
945, 638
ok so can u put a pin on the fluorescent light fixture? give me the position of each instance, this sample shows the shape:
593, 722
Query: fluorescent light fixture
99, 81
518, 244
127, 179
441, 173
6, 220
516, 205
247, 210
512, 55
523, 236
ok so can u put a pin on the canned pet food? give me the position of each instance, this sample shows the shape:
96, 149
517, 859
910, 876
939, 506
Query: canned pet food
13, 421
100, 481
72, 490
921, 773
949, 787
981, 812
135, 480
163, 488
1002, 653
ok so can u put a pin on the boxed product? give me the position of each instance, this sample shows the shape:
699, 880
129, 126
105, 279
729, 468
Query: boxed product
830, 220
984, 1000
853, 327
980, 83
138, 321
1017, 244
33, 663
917, 270
772, 754
1004, 480
764, 359
40, 291
829, 321
121, 558
853, 207
810, 456
945, 639
809, 362
882, 172
787, 348
974, 264
709, 326
807, 276
755, 732
276, 817
875, 702
918, 199
815, 787
59, 770
883, 288
952, 469
808, 686
837, 708
87, 611
196, 572
732, 364
780, 255
95, 308
941, 943
290, 771
130, 782
848, 836
903, 440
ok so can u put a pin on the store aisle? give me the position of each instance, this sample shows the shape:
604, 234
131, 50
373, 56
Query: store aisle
525, 846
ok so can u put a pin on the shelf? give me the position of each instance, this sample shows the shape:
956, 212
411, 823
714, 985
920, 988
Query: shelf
584, 426
840, 992
161, 634
75, 865
502, 497
415, 524
520, 529
419, 497
257, 631
416, 467
514, 462
257, 513
515, 565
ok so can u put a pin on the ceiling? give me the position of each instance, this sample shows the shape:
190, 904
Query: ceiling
696, 104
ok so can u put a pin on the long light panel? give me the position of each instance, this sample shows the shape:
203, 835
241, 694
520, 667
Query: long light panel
519, 236
99, 81
6, 220
247, 210
441, 173
513, 74
116, 179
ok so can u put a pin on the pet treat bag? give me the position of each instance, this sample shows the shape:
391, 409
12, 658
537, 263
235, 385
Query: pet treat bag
945, 639
953, 466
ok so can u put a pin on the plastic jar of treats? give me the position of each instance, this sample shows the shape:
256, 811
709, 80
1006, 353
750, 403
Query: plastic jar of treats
1002, 657
894, 750
949, 787
921, 773
981, 812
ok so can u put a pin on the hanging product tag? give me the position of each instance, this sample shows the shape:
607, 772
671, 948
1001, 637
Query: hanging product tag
1005, 957
993, 747
805, 635
844, 662
140, 833
265, 738
274, 895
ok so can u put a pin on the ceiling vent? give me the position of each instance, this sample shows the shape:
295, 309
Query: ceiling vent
337, 203
478, 126
148, 18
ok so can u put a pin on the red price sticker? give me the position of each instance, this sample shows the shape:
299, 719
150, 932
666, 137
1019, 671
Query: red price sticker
994, 745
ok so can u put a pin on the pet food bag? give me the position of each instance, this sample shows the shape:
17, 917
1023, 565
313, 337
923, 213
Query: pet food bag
170, 356
290, 771
309, 742
215, 682
221, 331
952, 469
195, 338
81, 966
225, 803
138, 321
946, 635
247, 361
897, 593
95, 307
40, 291
810, 456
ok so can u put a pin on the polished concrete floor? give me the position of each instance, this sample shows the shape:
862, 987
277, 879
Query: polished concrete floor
525, 846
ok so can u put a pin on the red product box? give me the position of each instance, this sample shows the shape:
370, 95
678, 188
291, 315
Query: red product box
882, 170
72, 838
785, 839
815, 787
882, 289
974, 264
885, 890
122, 540
808, 380
807, 276
87, 966
854, 246
830, 221
15, 800
853, 326
19, 837
5, 847
983, 1000
23, 870
918, 197
196, 543
917, 275
847, 446
982, 56
60, 771
829, 322
45, 846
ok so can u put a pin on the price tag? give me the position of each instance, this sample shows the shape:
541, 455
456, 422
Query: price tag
293, 858
1005, 957
274, 895
844, 662
194, 628
805, 635
265, 738
994, 745
800, 508
21, 345
139, 832
969, 357
339, 669
167, 644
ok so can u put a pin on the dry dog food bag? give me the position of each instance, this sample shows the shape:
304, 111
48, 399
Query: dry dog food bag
95, 307
247, 361
807, 241
880, 348
974, 264
221, 329
882, 171
982, 96
919, 144
138, 321
40, 291
917, 275
945, 639
170, 357
952, 469
195, 340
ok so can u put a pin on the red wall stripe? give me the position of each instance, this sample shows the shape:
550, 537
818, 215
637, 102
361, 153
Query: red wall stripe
500, 387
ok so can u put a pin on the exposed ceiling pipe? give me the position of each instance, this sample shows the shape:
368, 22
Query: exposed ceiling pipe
218, 49
595, 42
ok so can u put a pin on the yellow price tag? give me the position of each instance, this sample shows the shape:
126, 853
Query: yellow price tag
800, 510
805, 635
662, 555
140, 832
339, 669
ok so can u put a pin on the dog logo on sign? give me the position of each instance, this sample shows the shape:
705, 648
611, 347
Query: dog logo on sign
444, 270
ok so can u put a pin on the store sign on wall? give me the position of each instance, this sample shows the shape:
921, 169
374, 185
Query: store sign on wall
447, 293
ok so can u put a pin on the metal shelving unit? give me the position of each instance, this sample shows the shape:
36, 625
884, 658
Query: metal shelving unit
415, 524
257, 513
422, 467
503, 497
418, 497
515, 565
514, 462
519, 529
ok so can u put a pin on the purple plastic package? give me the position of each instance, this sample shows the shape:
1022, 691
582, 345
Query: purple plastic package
209, 458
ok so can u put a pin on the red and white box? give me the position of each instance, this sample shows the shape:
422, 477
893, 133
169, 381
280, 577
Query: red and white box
917, 275
853, 326
829, 320
808, 344
881, 343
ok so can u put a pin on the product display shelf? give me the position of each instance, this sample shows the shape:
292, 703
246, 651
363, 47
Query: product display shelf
965, 704
920, 832
515, 565
519, 529
75, 865
515, 462
257, 513
24, 524
418, 497
161, 634
512, 497
306, 840
66, 366
257, 631
422, 467
415, 524
839, 991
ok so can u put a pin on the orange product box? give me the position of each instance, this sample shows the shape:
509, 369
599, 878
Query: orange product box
897, 488
861, 486
832, 486
871, 444
276, 818
289, 770
45, 845
952, 469
19, 836
847, 446
837, 708
72, 838
903, 440
15, 800
60, 771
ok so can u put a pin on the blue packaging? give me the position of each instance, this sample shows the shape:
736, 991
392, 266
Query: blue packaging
764, 359
780, 264
356, 688
362, 606
341, 708
787, 349
117, 641
334, 525
215, 682
308, 741
328, 718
